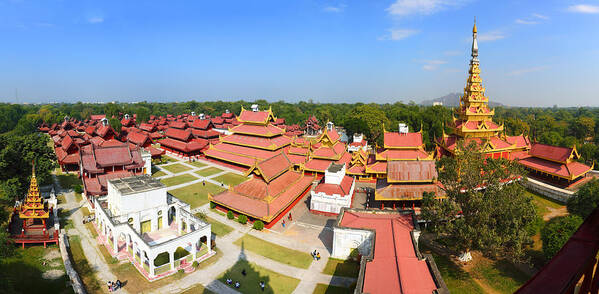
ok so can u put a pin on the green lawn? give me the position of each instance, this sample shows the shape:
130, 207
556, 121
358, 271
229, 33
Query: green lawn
61, 199
172, 181
196, 194
197, 164
67, 181
328, 289
167, 159
345, 268
275, 282
176, 168
78, 197
231, 179
209, 171
219, 228
501, 275
22, 272
542, 203
275, 252
158, 174
197, 289
456, 279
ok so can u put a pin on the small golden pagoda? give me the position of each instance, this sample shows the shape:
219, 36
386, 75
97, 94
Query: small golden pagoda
473, 119
33, 206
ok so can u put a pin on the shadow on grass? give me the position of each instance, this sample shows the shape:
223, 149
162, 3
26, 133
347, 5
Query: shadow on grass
247, 276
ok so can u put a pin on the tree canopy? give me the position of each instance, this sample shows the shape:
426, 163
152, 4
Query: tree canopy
556, 233
480, 211
585, 200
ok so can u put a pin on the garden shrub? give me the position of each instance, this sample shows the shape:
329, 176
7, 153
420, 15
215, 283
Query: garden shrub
242, 219
230, 215
258, 225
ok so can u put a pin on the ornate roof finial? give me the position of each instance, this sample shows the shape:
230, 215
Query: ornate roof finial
474, 44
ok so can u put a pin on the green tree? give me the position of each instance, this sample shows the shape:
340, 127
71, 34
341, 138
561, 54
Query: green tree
115, 124
556, 233
585, 200
367, 119
493, 220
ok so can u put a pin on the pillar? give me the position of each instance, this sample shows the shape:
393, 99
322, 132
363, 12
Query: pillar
171, 258
151, 265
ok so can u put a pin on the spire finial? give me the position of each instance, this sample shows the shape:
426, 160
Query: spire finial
474, 44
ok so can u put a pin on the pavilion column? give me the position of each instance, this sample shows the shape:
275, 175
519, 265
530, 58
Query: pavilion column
115, 242
171, 259
151, 265
208, 242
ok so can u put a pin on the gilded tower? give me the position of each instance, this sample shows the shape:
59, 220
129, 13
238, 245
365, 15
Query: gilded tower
473, 119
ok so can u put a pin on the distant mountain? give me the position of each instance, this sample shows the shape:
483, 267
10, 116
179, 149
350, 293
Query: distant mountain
452, 100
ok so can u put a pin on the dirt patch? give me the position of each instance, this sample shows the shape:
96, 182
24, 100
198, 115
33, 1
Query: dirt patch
55, 264
553, 212
469, 268
52, 254
53, 274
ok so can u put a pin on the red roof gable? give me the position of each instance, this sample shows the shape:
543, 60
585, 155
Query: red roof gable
140, 139
553, 153
398, 140
342, 189
201, 124
272, 167
181, 135
254, 116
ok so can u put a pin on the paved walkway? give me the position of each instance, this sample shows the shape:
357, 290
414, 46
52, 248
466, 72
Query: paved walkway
90, 250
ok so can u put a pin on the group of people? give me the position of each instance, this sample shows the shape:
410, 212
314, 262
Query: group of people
288, 218
237, 284
113, 286
315, 255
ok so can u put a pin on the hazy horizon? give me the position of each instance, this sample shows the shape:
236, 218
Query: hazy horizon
326, 51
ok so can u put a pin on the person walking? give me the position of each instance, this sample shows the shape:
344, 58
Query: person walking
318, 256
290, 218
262, 285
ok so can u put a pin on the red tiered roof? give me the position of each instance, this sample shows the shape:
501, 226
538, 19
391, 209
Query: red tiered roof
191, 146
246, 151
140, 139
181, 135
272, 143
402, 154
254, 116
258, 130
553, 153
147, 127
201, 124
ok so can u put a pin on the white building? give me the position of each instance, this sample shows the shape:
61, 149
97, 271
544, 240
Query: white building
140, 221
358, 143
335, 191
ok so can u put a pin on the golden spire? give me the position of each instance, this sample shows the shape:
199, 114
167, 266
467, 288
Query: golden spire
474, 28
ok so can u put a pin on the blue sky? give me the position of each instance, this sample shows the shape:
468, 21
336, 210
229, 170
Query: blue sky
532, 53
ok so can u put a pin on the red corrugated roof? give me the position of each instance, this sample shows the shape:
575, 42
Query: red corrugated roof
246, 151
229, 157
201, 124
402, 154
147, 127
177, 124
407, 191
274, 166
397, 140
395, 267
206, 134
190, 146
570, 170
271, 143
411, 171
140, 139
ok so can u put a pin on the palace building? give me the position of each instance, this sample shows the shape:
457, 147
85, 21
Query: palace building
387, 242
270, 194
35, 220
334, 192
141, 222
255, 139
555, 165
327, 148
474, 121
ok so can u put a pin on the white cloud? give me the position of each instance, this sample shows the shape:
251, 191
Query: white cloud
490, 36
398, 34
584, 8
452, 53
432, 64
407, 7
534, 18
335, 9
522, 71
526, 22
95, 19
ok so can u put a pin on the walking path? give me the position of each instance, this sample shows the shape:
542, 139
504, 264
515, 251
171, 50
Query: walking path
90, 250
230, 253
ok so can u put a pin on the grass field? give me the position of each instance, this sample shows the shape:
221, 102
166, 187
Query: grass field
167, 159
197, 164
275, 252
543, 203
176, 180
67, 181
275, 282
196, 194
78, 197
158, 174
456, 279
22, 272
208, 171
197, 289
230, 179
328, 289
345, 268
501, 275
176, 168
218, 228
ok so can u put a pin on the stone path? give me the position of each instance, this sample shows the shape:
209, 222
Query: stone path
90, 250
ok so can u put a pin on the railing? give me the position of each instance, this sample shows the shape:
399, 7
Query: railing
162, 269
